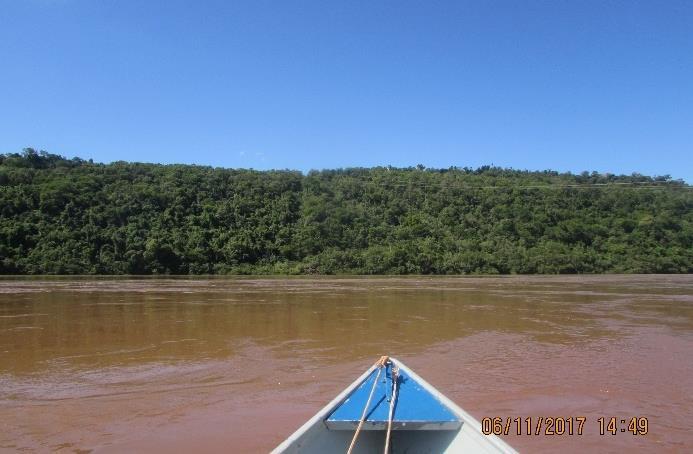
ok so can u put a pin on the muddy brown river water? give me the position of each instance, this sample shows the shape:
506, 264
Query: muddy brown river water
236, 365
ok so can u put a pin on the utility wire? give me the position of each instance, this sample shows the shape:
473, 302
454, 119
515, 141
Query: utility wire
621, 185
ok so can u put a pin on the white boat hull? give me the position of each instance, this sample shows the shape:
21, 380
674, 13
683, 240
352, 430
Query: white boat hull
315, 437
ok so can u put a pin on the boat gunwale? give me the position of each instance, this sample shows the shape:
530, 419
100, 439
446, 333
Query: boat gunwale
320, 416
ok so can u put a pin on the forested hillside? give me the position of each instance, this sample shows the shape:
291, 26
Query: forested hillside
63, 216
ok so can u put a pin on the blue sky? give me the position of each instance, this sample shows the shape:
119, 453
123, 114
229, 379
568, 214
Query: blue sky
567, 85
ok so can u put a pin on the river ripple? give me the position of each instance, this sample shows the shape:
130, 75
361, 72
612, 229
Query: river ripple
212, 364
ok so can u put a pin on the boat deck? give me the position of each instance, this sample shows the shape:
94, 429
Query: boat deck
415, 407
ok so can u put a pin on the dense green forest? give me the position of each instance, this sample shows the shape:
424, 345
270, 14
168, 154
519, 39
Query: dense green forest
71, 216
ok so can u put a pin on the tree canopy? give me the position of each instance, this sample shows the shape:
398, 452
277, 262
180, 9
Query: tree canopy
71, 216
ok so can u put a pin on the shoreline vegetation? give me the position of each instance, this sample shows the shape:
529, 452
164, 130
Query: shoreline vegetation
71, 216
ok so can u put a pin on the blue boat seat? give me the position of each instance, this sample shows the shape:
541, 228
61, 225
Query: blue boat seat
415, 407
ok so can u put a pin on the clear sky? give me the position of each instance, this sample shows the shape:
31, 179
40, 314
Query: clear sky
566, 85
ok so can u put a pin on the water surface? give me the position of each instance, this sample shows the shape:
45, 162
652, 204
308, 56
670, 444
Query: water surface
124, 364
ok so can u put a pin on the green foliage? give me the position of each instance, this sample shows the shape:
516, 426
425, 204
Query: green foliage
60, 216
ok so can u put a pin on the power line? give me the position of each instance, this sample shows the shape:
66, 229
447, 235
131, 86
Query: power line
621, 185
